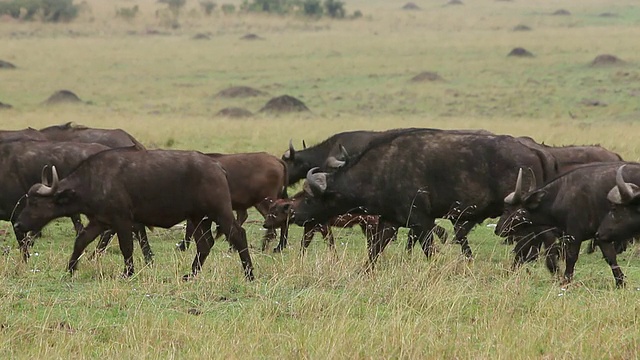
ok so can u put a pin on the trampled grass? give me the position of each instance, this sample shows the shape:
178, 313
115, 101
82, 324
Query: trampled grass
352, 74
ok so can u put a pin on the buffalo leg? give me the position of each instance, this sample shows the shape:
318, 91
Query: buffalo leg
125, 240
376, 245
24, 242
441, 233
105, 239
573, 250
462, 230
77, 223
204, 240
609, 252
183, 245
309, 231
327, 234
84, 238
141, 234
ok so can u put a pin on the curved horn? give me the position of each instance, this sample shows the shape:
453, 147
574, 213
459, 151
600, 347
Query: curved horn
45, 190
516, 195
292, 151
626, 193
304, 145
534, 181
334, 163
317, 182
343, 152
43, 178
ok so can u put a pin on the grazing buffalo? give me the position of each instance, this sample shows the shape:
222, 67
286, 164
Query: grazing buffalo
623, 219
113, 138
22, 163
25, 134
565, 158
409, 178
572, 205
281, 211
118, 188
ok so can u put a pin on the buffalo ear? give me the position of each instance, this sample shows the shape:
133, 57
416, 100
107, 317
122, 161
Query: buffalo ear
64, 197
533, 200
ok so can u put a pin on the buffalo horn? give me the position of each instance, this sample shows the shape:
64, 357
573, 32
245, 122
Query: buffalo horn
304, 145
533, 184
317, 182
344, 153
334, 163
516, 195
43, 178
46, 190
622, 193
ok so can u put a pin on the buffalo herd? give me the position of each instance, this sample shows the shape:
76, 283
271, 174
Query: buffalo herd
548, 199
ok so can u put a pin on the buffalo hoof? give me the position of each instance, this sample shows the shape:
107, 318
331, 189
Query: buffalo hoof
278, 249
127, 274
188, 277
181, 246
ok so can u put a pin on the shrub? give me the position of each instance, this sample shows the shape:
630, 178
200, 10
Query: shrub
268, 6
208, 6
127, 13
312, 8
334, 8
47, 10
356, 14
228, 8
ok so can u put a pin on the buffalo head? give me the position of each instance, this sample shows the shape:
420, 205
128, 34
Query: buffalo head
46, 202
519, 208
623, 220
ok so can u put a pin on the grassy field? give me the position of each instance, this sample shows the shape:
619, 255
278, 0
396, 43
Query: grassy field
160, 84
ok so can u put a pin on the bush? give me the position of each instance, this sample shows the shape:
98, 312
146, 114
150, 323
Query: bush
47, 10
228, 8
208, 7
127, 13
334, 8
357, 14
312, 8
269, 6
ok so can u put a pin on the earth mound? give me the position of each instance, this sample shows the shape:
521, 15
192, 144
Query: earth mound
251, 37
608, 15
201, 36
521, 28
455, 2
240, 92
234, 112
561, 12
5, 106
284, 104
606, 60
6, 65
427, 76
63, 96
520, 52
411, 6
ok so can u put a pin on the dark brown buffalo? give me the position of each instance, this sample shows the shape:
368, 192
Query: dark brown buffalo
25, 134
410, 178
572, 206
22, 163
113, 138
281, 211
623, 219
119, 188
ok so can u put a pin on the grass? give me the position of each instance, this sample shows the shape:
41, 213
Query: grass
352, 75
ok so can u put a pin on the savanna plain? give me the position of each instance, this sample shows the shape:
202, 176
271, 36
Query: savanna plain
160, 84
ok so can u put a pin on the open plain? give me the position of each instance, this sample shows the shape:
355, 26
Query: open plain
442, 66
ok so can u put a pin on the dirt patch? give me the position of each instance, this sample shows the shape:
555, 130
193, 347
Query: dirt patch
411, 6
608, 15
284, 104
427, 76
561, 12
240, 92
455, 2
5, 106
607, 60
521, 28
201, 36
251, 37
234, 112
6, 65
63, 97
520, 52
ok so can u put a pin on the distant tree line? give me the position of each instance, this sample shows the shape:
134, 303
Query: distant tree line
44, 10
311, 8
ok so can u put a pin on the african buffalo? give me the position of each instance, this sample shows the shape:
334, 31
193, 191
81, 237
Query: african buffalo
113, 138
118, 188
572, 206
623, 219
25, 134
281, 211
412, 177
22, 163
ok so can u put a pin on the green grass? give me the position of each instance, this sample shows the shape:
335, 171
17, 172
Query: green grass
352, 75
